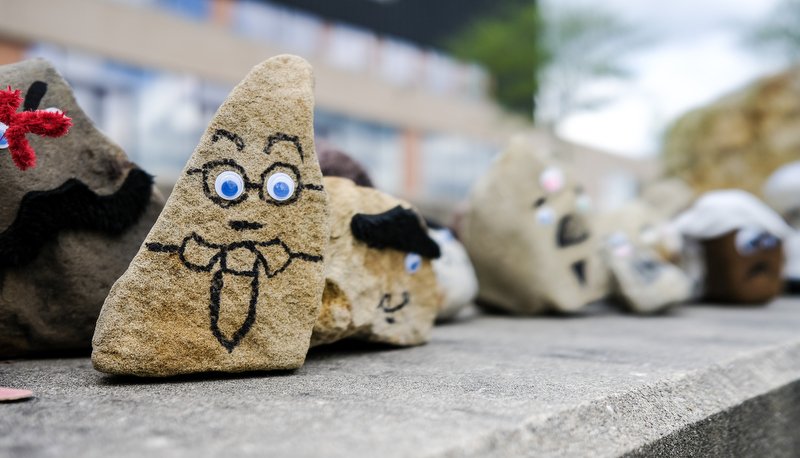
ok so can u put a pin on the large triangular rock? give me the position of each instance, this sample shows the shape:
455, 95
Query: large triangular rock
231, 276
69, 226
379, 283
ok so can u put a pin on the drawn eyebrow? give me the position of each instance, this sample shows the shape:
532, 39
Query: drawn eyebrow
539, 202
237, 140
280, 137
33, 97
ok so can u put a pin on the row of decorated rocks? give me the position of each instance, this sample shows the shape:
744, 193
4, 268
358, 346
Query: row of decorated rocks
255, 256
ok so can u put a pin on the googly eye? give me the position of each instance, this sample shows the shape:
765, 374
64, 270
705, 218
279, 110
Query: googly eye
53, 110
280, 186
545, 216
552, 179
768, 241
620, 245
3, 139
413, 262
747, 240
583, 204
229, 185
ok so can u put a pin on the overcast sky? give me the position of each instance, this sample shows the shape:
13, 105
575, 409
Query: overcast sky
697, 57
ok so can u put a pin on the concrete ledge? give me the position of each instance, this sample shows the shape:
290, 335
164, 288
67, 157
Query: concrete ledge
598, 384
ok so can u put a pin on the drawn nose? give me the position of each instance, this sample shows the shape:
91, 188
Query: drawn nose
572, 230
244, 225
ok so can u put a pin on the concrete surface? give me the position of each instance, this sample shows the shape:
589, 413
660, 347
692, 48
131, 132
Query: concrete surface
701, 381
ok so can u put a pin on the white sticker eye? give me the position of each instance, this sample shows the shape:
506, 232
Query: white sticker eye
3, 139
552, 179
229, 185
280, 186
413, 262
768, 241
583, 204
747, 240
545, 216
619, 244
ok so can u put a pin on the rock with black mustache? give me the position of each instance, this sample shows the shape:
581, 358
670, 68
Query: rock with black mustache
379, 282
69, 226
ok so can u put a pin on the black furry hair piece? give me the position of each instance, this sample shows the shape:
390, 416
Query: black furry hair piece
398, 228
72, 206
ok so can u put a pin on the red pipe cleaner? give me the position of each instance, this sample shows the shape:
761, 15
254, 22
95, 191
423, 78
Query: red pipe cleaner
40, 122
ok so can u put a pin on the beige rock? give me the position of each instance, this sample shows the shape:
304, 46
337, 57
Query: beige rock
86, 211
640, 280
739, 140
381, 289
668, 196
230, 278
528, 239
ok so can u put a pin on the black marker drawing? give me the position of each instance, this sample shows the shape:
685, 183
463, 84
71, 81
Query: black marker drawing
386, 305
219, 260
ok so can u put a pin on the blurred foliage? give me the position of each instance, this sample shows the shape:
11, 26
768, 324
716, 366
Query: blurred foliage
542, 58
779, 33
508, 45
584, 46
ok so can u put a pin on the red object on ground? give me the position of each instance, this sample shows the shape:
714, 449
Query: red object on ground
12, 394
40, 122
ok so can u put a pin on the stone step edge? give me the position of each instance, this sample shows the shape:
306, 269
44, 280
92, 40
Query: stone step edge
623, 422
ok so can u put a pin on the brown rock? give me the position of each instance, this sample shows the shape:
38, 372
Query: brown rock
68, 226
531, 246
734, 244
376, 288
335, 163
230, 278
742, 278
739, 140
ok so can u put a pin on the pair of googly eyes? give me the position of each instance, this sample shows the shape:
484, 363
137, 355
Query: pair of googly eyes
546, 215
230, 185
4, 127
750, 240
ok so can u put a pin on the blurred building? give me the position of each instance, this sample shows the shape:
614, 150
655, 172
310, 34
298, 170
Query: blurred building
151, 74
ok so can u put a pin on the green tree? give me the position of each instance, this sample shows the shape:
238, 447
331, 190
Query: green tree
542, 59
583, 46
508, 45
778, 34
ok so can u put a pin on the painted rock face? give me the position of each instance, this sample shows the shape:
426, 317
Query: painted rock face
742, 245
68, 226
379, 283
527, 237
231, 276
743, 266
640, 280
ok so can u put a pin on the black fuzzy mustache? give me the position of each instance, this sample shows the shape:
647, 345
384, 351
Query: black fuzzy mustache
398, 228
72, 206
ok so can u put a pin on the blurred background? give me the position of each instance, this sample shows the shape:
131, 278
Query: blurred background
426, 93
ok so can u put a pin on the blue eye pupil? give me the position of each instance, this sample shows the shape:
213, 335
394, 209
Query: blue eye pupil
281, 189
3, 139
230, 188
